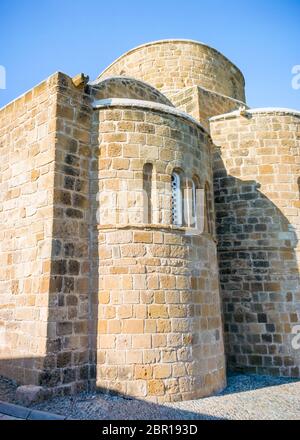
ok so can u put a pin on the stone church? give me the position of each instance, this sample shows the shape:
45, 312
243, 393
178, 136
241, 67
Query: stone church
106, 280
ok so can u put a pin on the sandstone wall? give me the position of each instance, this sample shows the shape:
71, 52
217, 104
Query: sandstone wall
256, 178
68, 366
156, 287
202, 104
172, 65
44, 248
27, 145
122, 87
94, 293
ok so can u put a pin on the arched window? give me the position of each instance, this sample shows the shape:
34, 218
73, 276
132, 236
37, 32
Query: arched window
191, 211
177, 199
195, 213
147, 192
189, 203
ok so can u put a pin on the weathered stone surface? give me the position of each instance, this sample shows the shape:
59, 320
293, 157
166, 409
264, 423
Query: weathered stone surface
177, 64
28, 394
152, 279
256, 193
95, 289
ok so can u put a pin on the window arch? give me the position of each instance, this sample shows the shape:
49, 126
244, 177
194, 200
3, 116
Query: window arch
177, 198
196, 203
147, 192
187, 201
190, 214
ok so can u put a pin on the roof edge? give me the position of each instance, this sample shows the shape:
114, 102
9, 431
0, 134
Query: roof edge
22, 95
99, 81
257, 111
137, 103
172, 40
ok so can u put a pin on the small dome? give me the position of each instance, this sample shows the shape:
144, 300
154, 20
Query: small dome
126, 87
172, 65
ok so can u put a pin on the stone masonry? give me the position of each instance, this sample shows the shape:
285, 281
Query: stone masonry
257, 201
98, 292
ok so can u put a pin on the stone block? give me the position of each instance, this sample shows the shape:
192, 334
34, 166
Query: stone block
29, 394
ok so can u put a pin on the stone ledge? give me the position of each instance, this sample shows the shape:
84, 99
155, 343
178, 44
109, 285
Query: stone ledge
142, 226
148, 105
156, 227
127, 81
257, 111
21, 412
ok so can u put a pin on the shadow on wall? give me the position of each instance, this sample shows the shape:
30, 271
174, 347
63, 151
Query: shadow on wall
259, 277
69, 363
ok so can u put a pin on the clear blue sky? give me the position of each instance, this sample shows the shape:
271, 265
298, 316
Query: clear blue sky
262, 37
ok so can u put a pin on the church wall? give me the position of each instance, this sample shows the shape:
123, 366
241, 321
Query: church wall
27, 145
68, 366
96, 293
256, 175
203, 104
172, 65
159, 330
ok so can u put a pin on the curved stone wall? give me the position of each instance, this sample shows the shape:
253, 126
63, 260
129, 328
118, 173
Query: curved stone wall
171, 65
122, 87
159, 329
257, 172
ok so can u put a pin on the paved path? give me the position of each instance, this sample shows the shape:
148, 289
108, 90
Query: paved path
5, 417
9, 411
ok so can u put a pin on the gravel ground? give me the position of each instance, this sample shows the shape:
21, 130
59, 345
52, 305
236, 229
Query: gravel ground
246, 397
7, 390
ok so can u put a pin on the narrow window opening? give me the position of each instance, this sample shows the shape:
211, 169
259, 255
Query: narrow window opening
147, 192
208, 209
189, 203
177, 200
194, 208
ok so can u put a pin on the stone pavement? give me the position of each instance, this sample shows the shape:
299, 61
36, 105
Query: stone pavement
9, 411
5, 417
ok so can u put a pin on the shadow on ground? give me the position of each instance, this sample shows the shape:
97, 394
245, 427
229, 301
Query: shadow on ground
100, 406
239, 383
